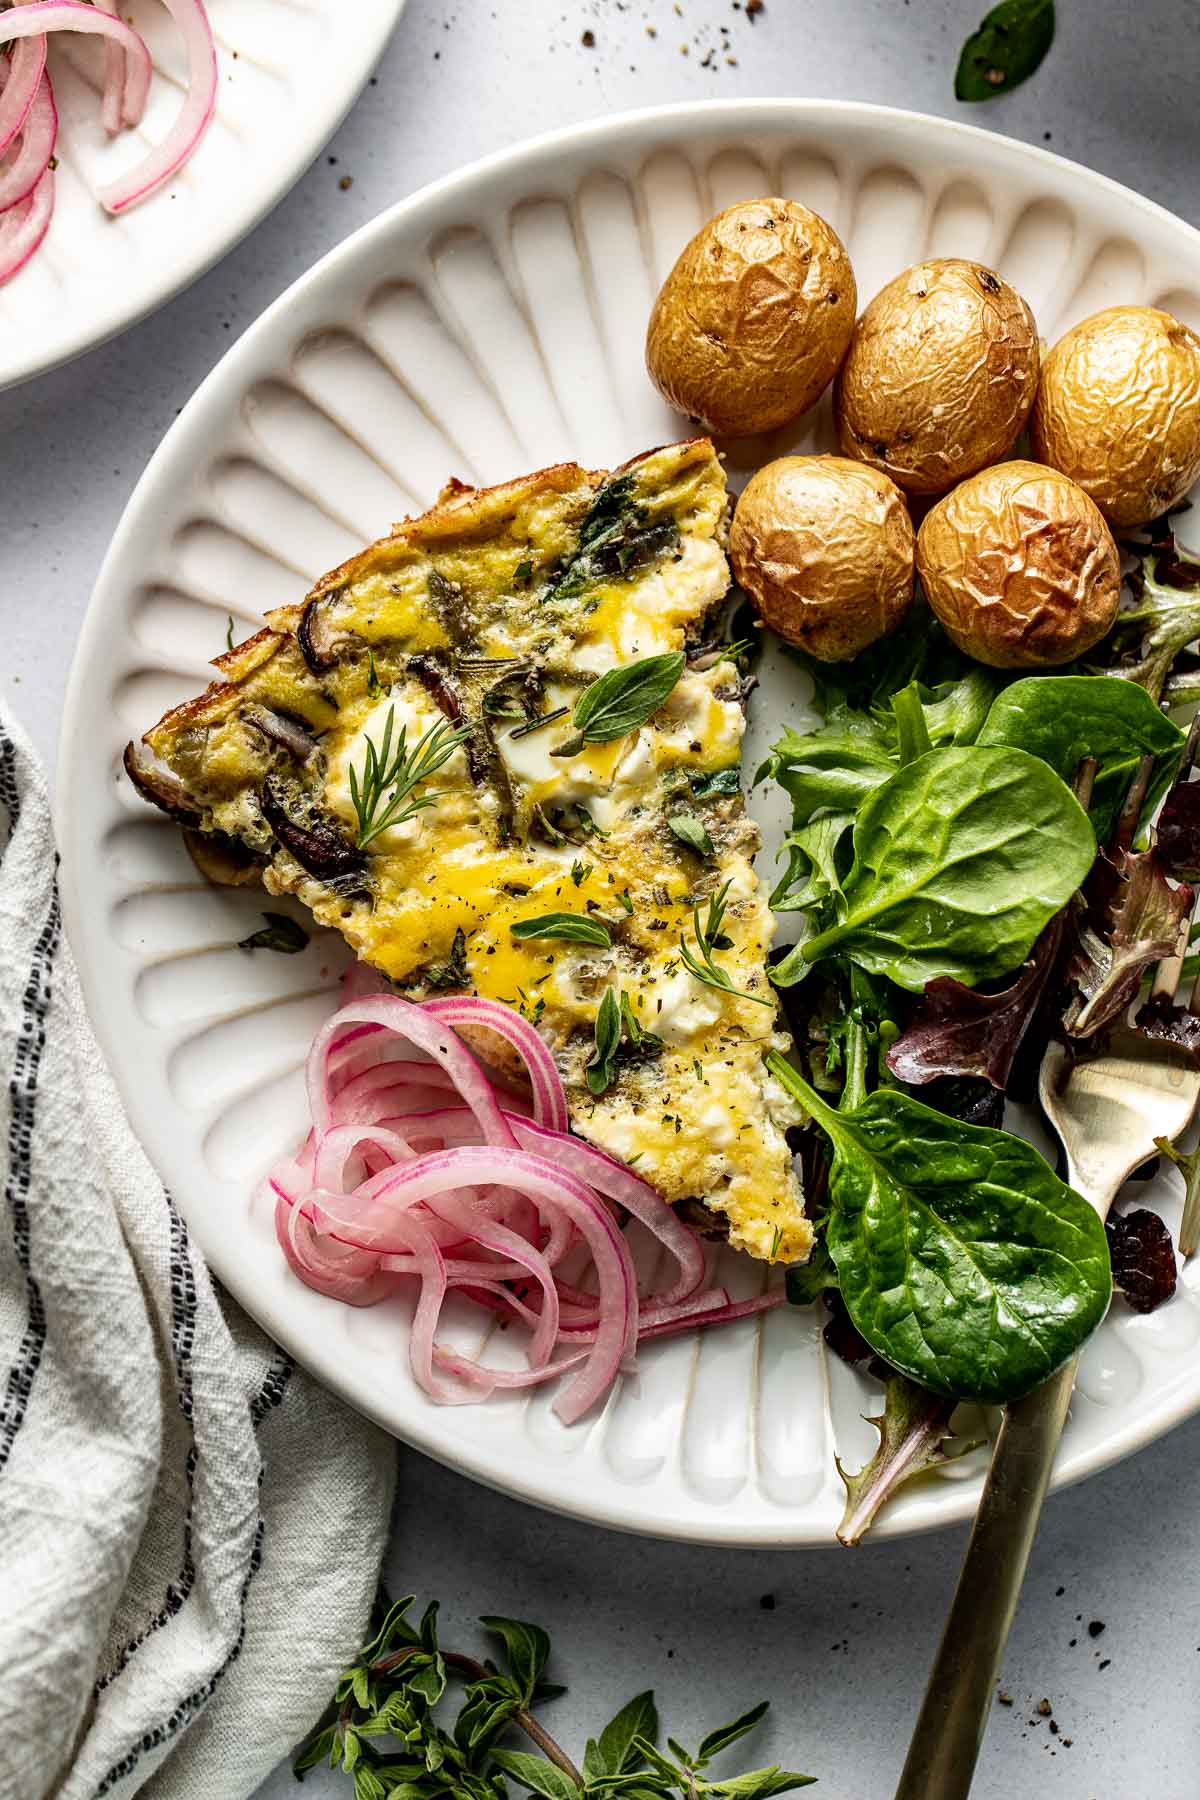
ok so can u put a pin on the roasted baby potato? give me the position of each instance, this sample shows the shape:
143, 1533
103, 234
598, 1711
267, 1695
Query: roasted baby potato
824, 547
1020, 567
750, 325
1118, 410
940, 375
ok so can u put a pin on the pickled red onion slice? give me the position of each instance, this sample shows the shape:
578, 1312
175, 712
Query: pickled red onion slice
421, 1166
23, 227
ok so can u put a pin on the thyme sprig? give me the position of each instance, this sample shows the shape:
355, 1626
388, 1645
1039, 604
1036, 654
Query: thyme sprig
384, 794
710, 937
392, 1692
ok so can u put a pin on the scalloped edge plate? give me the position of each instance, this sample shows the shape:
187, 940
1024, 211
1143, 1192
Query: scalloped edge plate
727, 1438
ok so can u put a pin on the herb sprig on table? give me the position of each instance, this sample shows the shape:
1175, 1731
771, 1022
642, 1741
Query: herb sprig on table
388, 1727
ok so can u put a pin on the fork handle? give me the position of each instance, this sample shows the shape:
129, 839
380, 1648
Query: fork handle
958, 1699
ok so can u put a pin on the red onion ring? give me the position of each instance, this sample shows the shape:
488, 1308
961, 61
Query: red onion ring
23, 72
23, 227
42, 16
419, 1166
193, 117
32, 159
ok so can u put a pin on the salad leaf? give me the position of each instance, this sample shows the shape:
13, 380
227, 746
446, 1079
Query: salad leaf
963, 1260
1063, 718
1006, 50
1177, 831
812, 853
829, 770
957, 1030
1164, 619
960, 859
914, 1429
1134, 918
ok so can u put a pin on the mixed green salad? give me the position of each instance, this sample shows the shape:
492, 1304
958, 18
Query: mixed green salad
979, 861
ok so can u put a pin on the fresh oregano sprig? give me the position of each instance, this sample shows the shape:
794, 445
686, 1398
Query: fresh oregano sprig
383, 1728
384, 794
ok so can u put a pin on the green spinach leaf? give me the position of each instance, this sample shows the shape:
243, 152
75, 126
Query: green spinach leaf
960, 859
1008, 46
1063, 718
963, 1260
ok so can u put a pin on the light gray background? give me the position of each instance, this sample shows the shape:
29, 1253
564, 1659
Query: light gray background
843, 1653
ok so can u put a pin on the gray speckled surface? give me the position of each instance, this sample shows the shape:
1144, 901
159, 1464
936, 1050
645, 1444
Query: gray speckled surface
844, 1651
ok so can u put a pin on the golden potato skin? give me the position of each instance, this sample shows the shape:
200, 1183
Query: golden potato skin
1118, 410
940, 376
1020, 567
750, 325
824, 547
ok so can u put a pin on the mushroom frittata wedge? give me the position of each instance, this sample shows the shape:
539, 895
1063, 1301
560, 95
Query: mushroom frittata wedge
405, 752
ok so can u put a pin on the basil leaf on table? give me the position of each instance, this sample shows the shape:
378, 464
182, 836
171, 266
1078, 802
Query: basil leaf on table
963, 1260
1005, 51
1063, 718
960, 859
572, 928
620, 700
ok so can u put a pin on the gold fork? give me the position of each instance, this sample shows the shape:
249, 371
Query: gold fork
1107, 1114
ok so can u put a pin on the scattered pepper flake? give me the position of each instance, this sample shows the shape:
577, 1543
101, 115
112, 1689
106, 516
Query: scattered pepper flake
588, 40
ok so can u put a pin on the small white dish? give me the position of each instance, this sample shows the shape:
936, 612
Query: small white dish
492, 324
289, 72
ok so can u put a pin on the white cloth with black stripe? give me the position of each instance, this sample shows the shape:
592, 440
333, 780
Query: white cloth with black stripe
190, 1528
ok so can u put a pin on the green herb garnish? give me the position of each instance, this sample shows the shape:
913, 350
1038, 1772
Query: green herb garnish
542, 720
600, 1071
385, 795
453, 972
580, 872
710, 937
279, 933
373, 689
398, 1680
1008, 46
572, 928
691, 831
523, 572
622, 699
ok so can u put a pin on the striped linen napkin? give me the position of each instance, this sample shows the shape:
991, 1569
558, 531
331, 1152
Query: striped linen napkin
190, 1527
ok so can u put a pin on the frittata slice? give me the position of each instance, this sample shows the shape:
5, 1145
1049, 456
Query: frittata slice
484, 620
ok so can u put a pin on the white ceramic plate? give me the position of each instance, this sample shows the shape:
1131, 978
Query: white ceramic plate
490, 325
289, 72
